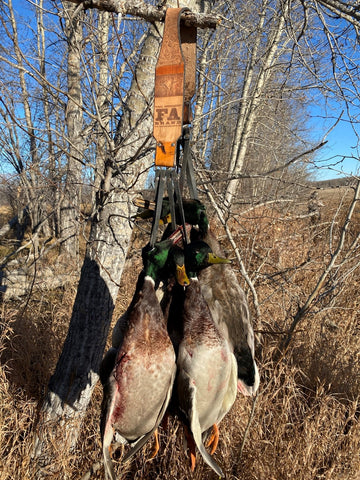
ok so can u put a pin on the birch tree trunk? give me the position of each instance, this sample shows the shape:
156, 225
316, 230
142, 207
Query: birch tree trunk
53, 173
28, 182
70, 207
252, 94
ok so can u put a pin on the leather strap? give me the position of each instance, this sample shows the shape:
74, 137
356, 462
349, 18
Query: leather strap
188, 47
174, 85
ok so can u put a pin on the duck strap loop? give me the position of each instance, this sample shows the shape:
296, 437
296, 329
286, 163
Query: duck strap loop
187, 171
180, 209
170, 190
174, 85
170, 178
160, 186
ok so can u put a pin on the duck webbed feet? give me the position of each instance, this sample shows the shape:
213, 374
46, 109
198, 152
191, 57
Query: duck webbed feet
156, 446
191, 446
212, 443
213, 439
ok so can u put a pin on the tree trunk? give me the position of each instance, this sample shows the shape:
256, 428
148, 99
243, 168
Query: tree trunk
70, 207
251, 98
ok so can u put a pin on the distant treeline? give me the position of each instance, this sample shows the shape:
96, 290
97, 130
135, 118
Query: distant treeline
335, 182
7, 191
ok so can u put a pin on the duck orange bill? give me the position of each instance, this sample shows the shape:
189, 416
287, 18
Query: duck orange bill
165, 220
181, 275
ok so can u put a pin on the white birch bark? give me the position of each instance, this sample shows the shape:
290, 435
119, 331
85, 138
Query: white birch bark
70, 206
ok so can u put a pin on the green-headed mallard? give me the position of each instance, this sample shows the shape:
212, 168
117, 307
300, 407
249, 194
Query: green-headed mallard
206, 367
228, 305
138, 375
230, 311
194, 212
172, 271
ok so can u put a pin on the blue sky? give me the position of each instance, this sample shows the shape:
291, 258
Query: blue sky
336, 157
340, 156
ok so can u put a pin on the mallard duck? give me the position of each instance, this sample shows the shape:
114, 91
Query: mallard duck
194, 212
172, 271
138, 373
228, 305
230, 311
206, 367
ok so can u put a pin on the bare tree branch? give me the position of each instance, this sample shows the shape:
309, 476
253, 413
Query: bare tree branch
302, 311
138, 8
350, 13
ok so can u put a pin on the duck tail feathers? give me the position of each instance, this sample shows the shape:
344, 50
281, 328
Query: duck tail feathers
135, 447
196, 431
209, 460
249, 390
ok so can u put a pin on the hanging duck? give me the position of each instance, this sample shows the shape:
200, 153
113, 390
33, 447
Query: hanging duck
230, 311
138, 374
173, 270
194, 212
206, 367
227, 302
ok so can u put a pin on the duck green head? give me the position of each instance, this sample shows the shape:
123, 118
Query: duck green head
155, 258
198, 255
165, 259
195, 214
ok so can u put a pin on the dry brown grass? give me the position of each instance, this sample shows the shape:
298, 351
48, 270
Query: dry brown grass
306, 417
5, 211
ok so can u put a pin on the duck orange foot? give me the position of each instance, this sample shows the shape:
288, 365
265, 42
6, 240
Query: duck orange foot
213, 439
191, 446
156, 446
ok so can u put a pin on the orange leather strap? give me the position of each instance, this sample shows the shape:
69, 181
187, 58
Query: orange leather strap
174, 85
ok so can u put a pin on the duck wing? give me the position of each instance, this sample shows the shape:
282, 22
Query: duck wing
109, 398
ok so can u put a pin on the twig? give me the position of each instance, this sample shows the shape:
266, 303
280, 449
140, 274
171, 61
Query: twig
94, 468
247, 429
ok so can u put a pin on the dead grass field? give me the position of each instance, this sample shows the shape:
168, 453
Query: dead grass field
305, 423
